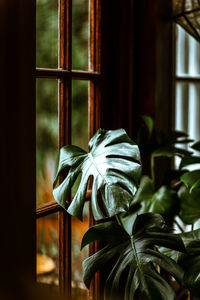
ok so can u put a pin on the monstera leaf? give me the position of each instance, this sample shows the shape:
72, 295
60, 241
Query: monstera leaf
164, 201
191, 179
196, 146
134, 258
189, 205
189, 261
189, 160
114, 163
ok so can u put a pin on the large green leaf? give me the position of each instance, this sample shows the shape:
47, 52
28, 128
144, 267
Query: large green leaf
189, 160
191, 179
132, 257
164, 201
170, 151
190, 261
189, 205
196, 146
114, 163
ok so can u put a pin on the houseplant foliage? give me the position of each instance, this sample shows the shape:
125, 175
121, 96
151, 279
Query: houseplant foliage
114, 163
136, 219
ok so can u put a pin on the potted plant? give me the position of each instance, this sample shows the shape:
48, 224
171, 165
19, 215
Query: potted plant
135, 219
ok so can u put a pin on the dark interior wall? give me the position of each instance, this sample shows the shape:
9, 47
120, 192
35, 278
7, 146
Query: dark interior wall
164, 67
137, 65
117, 64
17, 94
136, 62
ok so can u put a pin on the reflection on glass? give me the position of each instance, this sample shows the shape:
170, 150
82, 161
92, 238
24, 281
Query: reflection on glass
80, 113
46, 138
47, 33
79, 290
47, 250
80, 34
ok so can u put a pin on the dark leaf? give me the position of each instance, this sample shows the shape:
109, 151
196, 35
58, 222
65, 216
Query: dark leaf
189, 205
189, 160
190, 261
196, 146
164, 201
191, 179
114, 164
134, 258
170, 152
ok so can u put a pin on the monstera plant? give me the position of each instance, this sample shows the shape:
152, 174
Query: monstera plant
135, 219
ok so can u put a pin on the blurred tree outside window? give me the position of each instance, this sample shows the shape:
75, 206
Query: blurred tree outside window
47, 134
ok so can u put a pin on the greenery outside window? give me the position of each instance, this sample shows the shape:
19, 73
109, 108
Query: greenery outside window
67, 99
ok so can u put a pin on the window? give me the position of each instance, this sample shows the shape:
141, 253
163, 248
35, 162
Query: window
187, 85
67, 111
187, 90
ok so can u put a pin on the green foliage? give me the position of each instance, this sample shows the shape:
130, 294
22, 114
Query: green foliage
140, 239
134, 258
189, 261
47, 17
47, 33
189, 205
114, 164
164, 201
191, 179
158, 144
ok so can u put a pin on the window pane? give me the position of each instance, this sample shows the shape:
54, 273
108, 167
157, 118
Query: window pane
79, 290
47, 250
47, 33
80, 34
187, 111
46, 138
80, 113
188, 54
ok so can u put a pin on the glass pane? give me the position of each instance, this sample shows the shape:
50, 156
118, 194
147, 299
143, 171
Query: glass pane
80, 113
79, 290
188, 54
46, 138
80, 34
47, 249
47, 33
187, 111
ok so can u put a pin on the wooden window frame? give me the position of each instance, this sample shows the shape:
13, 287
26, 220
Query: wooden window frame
65, 75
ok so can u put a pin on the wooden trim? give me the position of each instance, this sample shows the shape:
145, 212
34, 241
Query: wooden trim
65, 34
47, 209
65, 86
65, 74
65, 253
186, 78
64, 218
95, 36
94, 65
51, 207
94, 100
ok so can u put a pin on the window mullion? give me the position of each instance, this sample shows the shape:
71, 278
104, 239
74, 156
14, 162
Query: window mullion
94, 104
65, 138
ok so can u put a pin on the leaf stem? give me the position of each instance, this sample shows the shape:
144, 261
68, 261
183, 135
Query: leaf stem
152, 168
118, 220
